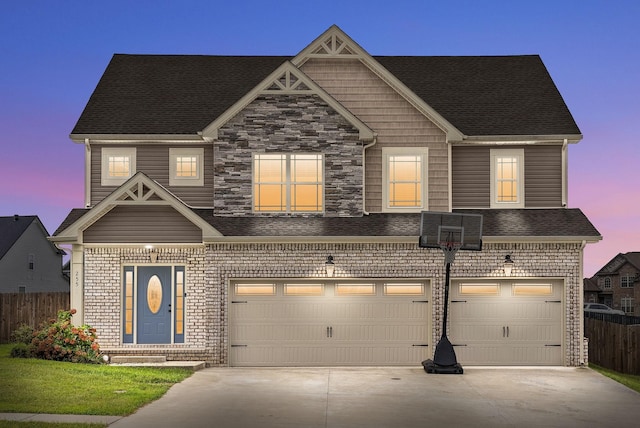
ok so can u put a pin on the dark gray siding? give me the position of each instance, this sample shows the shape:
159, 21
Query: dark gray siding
153, 160
543, 176
471, 180
143, 224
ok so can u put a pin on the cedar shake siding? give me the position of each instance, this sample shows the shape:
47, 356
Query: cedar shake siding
288, 124
153, 160
471, 180
397, 123
142, 224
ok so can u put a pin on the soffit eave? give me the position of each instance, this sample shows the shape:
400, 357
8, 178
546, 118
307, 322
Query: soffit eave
137, 138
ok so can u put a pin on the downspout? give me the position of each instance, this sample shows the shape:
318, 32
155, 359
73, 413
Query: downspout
364, 171
87, 173
450, 175
565, 176
583, 358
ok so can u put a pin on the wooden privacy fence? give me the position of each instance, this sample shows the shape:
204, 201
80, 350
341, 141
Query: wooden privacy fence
28, 308
613, 345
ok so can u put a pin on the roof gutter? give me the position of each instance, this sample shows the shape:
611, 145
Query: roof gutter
521, 139
137, 138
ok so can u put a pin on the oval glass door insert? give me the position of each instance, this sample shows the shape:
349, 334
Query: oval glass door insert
154, 294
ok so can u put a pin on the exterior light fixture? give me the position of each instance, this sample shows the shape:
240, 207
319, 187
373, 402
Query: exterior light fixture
508, 265
153, 254
329, 266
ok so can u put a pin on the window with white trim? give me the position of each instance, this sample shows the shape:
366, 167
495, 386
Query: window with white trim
186, 166
404, 175
507, 178
118, 165
285, 182
626, 281
607, 283
626, 304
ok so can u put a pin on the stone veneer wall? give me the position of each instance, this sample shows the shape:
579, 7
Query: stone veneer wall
286, 124
209, 272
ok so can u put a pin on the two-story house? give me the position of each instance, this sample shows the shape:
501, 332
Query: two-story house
265, 210
618, 283
29, 263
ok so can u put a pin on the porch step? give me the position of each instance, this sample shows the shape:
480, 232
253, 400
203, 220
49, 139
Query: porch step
155, 361
124, 359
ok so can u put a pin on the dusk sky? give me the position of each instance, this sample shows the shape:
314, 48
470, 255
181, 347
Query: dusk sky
53, 53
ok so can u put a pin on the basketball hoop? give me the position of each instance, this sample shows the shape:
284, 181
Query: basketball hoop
450, 248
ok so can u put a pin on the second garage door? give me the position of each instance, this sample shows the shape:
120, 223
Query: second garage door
507, 322
329, 323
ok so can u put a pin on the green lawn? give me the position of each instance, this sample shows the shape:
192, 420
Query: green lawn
30, 385
631, 381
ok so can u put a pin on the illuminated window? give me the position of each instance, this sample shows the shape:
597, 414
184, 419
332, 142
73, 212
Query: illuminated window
288, 182
400, 289
255, 289
179, 306
532, 289
303, 289
405, 178
118, 165
128, 306
186, 167
480, 289
507, 170
355, 289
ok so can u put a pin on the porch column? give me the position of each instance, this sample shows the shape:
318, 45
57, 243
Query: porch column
77, 283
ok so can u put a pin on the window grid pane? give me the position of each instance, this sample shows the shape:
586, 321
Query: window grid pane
179, 325
119, 166
288, 182
507, 179
404, 181
187, 166
128, 302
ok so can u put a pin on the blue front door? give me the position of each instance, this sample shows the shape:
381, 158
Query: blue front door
154, 304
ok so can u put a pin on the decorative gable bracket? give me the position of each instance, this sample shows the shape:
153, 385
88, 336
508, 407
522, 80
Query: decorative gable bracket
286, 79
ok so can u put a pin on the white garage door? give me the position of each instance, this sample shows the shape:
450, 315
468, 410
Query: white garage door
355, 323
507, 322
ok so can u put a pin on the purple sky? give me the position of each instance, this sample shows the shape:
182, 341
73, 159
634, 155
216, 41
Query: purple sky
53, 53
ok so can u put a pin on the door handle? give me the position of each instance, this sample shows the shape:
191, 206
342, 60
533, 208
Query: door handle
169, 307
504, 331
330, 331
507, 331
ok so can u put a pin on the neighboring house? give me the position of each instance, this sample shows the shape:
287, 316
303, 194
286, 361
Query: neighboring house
262, 210
591, 291
618, 283
29, 263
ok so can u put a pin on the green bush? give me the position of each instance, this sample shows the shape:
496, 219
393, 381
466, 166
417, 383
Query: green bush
62, 341
23, 334
21, 350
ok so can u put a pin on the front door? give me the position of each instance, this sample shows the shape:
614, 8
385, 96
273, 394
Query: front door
154, 304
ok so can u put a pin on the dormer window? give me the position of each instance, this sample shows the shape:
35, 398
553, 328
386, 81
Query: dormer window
118, 165
288, 183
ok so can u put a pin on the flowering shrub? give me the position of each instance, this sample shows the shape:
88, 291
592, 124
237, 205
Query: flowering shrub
62, 341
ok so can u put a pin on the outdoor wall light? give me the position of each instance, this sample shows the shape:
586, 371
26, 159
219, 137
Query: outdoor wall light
153, 254
508, 265
329, 266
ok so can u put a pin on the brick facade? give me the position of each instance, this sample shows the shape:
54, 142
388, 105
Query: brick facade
210, 269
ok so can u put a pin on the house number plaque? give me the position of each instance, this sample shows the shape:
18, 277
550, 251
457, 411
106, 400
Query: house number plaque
154, 294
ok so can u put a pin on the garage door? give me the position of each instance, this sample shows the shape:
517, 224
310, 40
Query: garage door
507, 322
355, 323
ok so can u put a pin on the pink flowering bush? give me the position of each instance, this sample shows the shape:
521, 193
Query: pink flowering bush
60, 340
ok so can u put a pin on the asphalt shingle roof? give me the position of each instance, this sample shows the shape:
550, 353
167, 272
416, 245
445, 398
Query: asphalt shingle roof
12, 228
558, 223
182, 94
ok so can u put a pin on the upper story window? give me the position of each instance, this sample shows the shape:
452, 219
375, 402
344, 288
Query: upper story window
31, 262
404, 175
118, 165
285, 182
607, 283
186, 167
507, 178
626, 281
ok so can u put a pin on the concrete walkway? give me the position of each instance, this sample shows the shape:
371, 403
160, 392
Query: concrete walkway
388, 397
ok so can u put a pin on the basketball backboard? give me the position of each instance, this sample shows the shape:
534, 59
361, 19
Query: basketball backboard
460, 230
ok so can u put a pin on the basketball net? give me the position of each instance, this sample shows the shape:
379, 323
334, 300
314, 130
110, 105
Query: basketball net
450, 248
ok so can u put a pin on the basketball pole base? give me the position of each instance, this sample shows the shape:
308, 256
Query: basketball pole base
431, 367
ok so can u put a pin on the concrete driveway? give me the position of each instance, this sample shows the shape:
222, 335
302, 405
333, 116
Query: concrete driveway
391, 397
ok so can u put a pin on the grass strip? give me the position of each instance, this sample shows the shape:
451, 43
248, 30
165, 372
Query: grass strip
630, 381
29, 385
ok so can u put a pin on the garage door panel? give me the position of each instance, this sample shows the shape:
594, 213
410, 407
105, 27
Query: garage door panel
329, 329
520, 323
